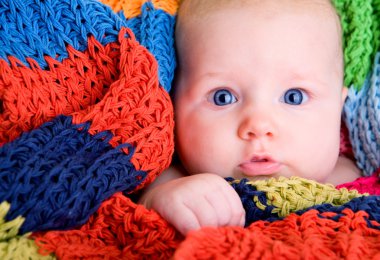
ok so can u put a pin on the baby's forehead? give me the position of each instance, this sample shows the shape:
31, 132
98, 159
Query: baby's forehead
185, 33
192, 12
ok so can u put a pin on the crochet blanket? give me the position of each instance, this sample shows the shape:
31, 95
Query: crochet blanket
86, 122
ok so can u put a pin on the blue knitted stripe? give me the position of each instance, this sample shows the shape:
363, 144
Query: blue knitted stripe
246, 193
56, 176
362, 118
34, 29
369, 204
154, 29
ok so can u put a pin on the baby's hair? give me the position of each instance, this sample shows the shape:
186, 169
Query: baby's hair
192, 10
359, 23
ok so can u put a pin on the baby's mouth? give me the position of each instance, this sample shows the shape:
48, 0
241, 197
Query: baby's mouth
260, 165
259, 160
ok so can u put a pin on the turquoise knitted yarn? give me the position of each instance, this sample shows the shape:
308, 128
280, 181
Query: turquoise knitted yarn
362, 117
361, 40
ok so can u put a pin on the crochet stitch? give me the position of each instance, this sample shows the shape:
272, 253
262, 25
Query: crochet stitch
86, 122
116, 133
360, 26
362, 117
13, 246
138, 233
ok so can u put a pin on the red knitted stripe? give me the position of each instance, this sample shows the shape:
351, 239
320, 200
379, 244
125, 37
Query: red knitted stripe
297, 237
114, 86
32, 96
120, 229
123, 230
136, 110
345, 144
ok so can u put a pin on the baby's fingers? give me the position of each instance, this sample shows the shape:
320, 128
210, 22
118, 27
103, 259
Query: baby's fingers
237, 216
199, 210
228, 205
184, 220
219, 205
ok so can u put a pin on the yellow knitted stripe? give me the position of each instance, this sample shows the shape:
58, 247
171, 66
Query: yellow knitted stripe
13, 246
289, 195
132, 9
8, 229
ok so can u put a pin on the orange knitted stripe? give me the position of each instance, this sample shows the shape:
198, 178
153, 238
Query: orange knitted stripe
32, 96
136, 110
297, 237
114, 86
119, 229
132, 9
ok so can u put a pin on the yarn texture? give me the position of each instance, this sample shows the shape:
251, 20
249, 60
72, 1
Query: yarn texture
86, 122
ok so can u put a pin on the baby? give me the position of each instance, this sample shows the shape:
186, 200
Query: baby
258, 94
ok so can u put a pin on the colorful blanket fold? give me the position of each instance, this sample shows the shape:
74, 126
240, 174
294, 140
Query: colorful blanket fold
86, 121
281, 214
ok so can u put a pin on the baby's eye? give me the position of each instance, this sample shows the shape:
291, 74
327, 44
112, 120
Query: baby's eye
295, 96
223, 97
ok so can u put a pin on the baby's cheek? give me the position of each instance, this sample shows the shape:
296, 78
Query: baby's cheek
323, 165
202, 158
206, 145
193, 153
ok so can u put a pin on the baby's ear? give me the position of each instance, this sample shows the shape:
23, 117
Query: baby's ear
344, 94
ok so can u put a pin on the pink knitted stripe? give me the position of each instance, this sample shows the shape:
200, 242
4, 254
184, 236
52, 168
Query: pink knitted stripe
370, 184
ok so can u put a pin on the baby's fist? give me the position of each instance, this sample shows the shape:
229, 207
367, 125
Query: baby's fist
200, 200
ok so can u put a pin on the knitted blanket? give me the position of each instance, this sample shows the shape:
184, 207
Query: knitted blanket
86, 122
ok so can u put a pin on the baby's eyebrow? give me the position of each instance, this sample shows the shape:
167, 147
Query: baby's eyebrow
226, 76
211, 74
307, 76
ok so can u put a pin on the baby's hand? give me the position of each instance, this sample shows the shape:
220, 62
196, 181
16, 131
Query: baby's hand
200, 200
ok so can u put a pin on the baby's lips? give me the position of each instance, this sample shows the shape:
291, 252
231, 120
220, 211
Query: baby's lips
260, 165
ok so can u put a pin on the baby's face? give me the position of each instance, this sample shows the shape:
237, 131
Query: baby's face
260, 93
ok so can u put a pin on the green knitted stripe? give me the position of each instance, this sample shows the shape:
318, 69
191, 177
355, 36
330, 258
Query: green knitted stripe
376, 24
360, 38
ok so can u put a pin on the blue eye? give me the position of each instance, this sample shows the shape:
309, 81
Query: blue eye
295, 96
223, 97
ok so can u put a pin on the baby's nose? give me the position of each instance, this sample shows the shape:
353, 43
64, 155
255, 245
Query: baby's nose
256, 127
